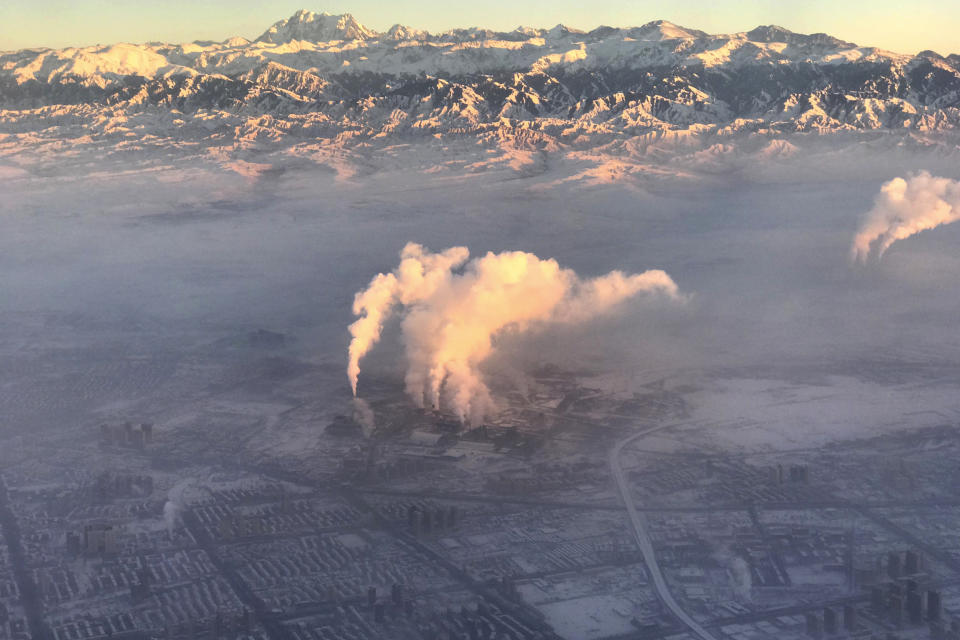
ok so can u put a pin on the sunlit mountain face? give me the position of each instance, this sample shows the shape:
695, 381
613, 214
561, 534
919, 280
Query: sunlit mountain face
324, 89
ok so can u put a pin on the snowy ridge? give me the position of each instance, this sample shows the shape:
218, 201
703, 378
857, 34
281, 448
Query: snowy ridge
318, 85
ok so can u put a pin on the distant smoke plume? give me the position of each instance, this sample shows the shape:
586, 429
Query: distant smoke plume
453, 310
171, 515
363, 415
741, 579
903, 208
175, 504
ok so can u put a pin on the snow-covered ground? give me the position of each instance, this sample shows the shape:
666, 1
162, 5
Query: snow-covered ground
736, 414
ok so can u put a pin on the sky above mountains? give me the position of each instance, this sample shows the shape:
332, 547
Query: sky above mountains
906, 28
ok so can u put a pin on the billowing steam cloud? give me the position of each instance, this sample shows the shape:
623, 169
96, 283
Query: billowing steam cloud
903, 208
453, 310
419, 275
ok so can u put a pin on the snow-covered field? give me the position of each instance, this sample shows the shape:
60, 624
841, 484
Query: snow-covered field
759, 414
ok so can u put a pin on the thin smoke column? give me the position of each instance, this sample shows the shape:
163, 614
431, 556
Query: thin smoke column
363, 415
905, 207
175, 504
453, 310
418, 276
171, 515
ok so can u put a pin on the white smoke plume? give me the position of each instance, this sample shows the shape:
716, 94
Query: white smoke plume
171, 516
420, 273
363, 415
904, 207
741, 578
176, 503
452, 312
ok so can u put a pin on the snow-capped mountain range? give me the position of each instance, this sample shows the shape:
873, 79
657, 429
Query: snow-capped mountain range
326, 89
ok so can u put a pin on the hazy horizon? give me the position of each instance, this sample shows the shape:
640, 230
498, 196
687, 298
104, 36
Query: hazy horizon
882, 23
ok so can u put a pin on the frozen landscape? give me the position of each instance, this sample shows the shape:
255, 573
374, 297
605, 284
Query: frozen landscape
707, 285
657, 102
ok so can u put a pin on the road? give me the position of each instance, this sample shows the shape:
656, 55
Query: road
275, 630
492, 499
930, 550
29, 593
524, 613
641, 532
775, 554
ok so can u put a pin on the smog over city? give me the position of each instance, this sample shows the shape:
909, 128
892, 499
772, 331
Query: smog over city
409, 324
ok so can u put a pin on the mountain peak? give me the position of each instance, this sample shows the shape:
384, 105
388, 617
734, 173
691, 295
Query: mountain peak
316, 27
401, 32
770, 33
664, 30
776, 33
563, 31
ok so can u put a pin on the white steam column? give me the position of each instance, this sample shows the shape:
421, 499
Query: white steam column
903, 208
